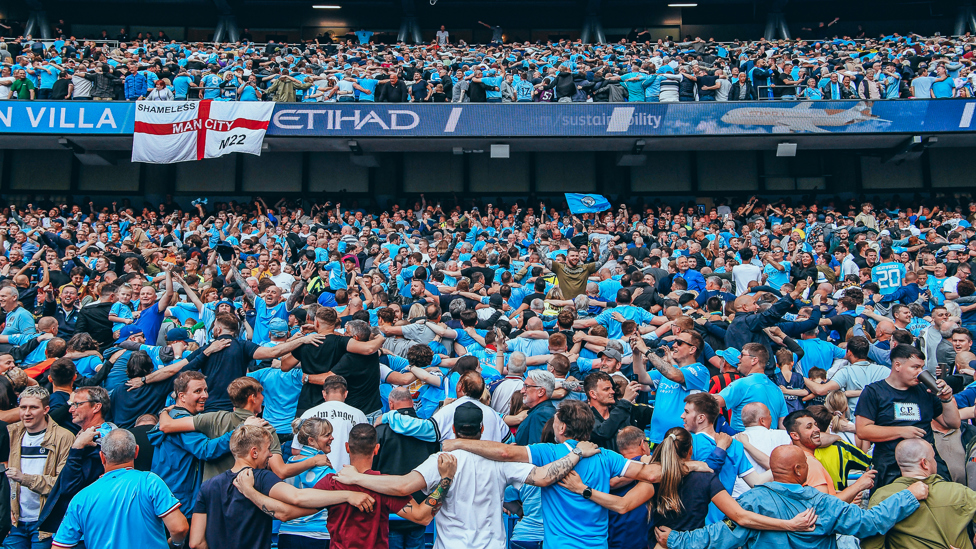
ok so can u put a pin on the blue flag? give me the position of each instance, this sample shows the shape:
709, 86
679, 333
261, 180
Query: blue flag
587, 203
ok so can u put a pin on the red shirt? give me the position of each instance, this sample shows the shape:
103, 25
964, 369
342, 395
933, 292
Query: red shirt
351, 528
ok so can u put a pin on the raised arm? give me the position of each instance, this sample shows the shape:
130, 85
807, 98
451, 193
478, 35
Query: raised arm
168, 296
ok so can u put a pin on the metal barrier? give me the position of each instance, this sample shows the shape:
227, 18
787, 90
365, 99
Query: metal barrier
110, 43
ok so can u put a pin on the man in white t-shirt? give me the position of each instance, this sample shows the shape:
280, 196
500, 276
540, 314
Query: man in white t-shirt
745, 273
342, 417
470, 390
443, 37
472, 515
281, 279
949, 286
758, 440
501, 397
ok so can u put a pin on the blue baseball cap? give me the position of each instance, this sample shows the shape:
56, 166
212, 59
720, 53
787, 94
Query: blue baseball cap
730, 355
128, 331
278, 327
178, 334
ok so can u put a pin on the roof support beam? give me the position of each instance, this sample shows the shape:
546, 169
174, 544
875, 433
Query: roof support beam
409, 28
776, 27
226, 30
592, 25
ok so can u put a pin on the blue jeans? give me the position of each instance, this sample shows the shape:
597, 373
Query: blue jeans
24, 536
291, 541
408, 539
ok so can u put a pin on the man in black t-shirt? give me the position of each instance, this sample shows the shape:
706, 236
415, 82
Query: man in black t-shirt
479, 264
899, 408
320, 358
362, 373
706, 87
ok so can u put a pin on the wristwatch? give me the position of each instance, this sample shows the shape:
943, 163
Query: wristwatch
578, 452
587, 493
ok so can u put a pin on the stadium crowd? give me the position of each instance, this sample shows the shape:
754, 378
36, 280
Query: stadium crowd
446, 70
754, 374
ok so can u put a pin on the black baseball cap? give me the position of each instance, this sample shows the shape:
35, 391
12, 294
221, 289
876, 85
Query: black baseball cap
467, 419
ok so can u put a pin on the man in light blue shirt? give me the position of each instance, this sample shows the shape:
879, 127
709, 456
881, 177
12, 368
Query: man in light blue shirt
817, 353
211, 81
754, 387
125, 507
609, 318
19, 320
776, 270
676, 375
281, 389
888, 274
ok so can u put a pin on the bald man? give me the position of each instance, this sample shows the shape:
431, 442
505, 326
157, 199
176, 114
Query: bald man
942, 520
786, 497
759, 440
750, 323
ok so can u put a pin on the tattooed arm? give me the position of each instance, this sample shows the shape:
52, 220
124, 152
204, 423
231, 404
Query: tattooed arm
424, 512
667, 366
239, 280
550, 474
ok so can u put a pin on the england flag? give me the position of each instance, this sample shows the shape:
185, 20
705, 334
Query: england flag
180, 131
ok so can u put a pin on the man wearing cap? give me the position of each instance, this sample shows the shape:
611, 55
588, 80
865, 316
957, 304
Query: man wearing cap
472, 514
281, 389
118, 356
161, 355
728, 372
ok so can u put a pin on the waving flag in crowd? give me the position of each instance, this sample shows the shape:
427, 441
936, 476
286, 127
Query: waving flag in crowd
587, 203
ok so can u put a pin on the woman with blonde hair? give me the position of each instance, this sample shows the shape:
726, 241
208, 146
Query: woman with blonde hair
680, 500
837, 404
313, 436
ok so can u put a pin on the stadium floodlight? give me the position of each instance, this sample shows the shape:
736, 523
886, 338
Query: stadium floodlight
786, 149
326, 7
682, 5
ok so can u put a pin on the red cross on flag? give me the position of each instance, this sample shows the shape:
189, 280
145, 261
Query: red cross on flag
179, 131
